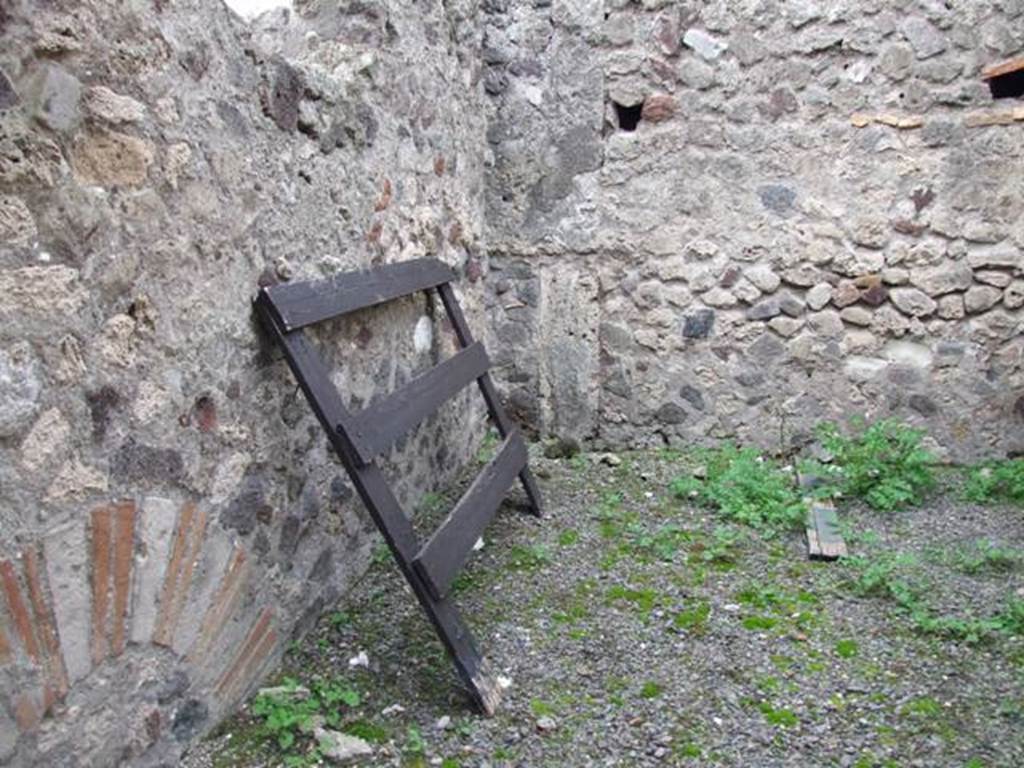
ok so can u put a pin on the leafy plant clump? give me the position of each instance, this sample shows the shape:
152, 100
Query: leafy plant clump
290, 713
997, 481
883, 463
746, 487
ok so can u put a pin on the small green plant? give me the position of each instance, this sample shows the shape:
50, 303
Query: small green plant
1011, 619
693, 619
287, 715
338, 619
846, 649
568, 537
488, 446
644, 600
662, 544
720, 551
781, 716
414, 743
883, 463
746, 487
530, 557
650, 690
758, 623
541, 708
983, 556
997, 481
367, 731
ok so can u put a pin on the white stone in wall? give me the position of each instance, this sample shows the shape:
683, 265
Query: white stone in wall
67, 569
704, 44
155, 525
818, 296
858, 368
1005, 256
908, 353
763, 277
423, 335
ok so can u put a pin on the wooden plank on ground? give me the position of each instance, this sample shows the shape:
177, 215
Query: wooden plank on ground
824, 540
379, 426
300, 304
441, 558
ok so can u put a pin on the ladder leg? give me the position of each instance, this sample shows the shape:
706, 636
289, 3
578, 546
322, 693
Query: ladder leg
487, 389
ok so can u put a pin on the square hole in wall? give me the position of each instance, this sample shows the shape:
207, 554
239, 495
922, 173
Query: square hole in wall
628, 117
1006, 80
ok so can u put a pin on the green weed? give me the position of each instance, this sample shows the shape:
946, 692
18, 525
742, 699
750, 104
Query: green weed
883, 463
746, 487
568, 537
846, 649
781, 717
997, 481
693, 619
529, 557
644, 600
650, 690
286, 717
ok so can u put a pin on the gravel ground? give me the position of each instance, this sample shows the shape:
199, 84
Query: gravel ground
636, 630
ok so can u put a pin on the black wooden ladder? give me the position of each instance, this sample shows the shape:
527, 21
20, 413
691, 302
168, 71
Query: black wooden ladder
359, 438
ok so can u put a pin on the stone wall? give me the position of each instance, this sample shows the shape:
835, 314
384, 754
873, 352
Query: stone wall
170, 514
726, 219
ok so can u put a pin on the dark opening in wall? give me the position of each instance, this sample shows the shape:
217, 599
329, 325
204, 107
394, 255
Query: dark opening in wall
1008, 86
628, 117
1005, 80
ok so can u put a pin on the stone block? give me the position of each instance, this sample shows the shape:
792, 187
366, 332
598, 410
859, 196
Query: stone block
20, 387
53, 95
1013, 296
942, 279
17, 225
659, 108
47, 441
111, 159
980, 298
704, 44
104, 104
764, 277
155, 534
37, 301
913, 302
924, 38
698, 324
951, 307
819, 296
1002, 256
856, 316
66, 551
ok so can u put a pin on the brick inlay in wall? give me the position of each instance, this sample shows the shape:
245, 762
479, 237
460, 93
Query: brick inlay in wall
46, 629
18, 611
124, 539
100, 581
187, 542
223, 605
5, 648
257, 646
